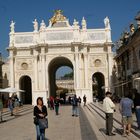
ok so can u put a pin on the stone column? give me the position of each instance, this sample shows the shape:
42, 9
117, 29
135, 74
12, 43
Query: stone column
77, 70
43, 68
12, 76
46, 71
80, 71
110, 64
86, 69
76, 67
36, 70
12, 73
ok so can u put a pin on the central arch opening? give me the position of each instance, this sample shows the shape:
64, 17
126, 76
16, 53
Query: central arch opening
60, 76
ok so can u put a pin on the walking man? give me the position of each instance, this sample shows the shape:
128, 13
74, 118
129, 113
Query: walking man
126, 105
79, 101
84, 100
56, 104
109, 107
75, 106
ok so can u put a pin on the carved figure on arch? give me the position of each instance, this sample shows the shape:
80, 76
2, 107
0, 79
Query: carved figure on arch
75, 23
107, 23
84, 24
12, 26
35, 24
42, 26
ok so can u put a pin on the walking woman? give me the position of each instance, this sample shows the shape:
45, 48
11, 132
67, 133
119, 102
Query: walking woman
10, 105
56, 104
40, 112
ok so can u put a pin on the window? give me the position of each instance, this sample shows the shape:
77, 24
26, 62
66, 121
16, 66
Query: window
97, 62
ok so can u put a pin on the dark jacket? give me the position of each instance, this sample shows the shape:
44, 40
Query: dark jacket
56, 102
37, 111
74, 101
137, 100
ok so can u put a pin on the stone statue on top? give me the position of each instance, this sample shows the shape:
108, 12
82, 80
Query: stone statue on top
12, 26
107, 23
35, 24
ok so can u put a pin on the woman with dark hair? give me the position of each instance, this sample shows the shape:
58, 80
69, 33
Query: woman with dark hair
40, 112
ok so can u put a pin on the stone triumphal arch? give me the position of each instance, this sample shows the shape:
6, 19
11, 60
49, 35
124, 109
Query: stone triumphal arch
35, 57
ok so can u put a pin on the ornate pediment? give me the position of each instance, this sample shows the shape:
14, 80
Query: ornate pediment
58, 19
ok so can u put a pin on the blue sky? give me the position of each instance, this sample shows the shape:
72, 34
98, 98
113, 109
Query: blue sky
23, 12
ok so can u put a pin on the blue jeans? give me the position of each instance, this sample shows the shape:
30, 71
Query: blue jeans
138, 116
40, 133
75, 111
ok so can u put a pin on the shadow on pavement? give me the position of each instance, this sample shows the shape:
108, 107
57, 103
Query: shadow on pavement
87, 132
102, 130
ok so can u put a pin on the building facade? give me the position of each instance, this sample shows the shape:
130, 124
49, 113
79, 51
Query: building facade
35, 56
67, 84
1, 63
127, 68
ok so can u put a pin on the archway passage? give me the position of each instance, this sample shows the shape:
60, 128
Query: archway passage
54, 65
26, 85
97, 86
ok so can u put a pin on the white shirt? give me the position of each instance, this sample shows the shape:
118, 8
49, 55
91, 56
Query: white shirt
108, 105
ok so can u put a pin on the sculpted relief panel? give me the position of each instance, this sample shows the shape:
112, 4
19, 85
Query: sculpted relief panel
24, 64
23, 39
59, 36
96, 49
96, 36
97, 61
57, 49
23, 52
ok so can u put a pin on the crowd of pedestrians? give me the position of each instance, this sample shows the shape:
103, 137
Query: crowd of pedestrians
12, 103
40, 112
127, 103
54, 103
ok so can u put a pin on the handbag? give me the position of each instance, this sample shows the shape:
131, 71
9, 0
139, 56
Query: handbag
35, 120
43, 123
